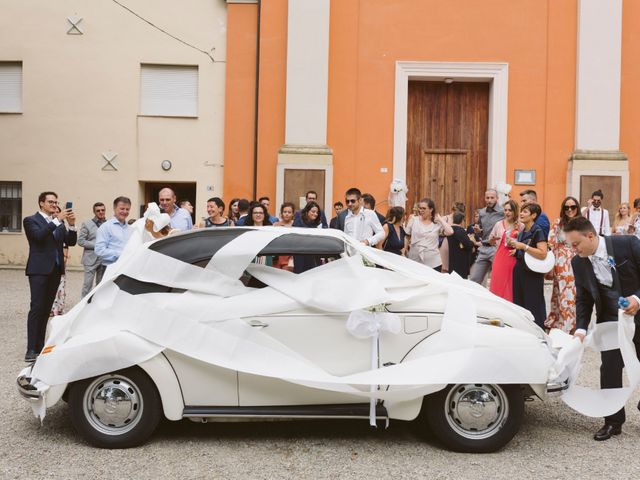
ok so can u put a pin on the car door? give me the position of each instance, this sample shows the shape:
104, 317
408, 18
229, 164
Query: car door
321, 338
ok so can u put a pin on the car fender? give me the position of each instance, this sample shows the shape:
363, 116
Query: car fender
161, 373
500, 340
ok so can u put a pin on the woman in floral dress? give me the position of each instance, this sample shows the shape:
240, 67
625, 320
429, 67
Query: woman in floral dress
562, 314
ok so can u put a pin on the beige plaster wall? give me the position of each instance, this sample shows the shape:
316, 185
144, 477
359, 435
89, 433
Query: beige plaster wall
81, 98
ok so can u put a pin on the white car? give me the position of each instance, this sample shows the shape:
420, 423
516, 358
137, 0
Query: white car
200, 326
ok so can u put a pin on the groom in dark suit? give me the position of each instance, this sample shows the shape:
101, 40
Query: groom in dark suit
46, 234
605, 269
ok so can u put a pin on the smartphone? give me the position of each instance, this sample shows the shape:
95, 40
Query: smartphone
68, 206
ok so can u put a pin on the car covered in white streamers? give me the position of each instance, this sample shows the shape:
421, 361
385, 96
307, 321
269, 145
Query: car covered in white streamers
199, 325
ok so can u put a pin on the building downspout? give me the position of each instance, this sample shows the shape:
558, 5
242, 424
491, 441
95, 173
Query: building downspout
256, 108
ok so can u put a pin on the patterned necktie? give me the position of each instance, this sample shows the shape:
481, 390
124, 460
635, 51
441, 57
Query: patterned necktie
602, 270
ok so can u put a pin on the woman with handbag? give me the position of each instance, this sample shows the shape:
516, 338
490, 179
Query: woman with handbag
528, 286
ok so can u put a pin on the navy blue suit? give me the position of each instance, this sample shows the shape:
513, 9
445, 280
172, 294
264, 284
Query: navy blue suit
44, 268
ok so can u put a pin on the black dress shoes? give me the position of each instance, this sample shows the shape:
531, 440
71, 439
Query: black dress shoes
607, 431
30, 356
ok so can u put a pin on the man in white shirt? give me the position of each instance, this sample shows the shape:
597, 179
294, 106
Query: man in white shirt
597, 215
358, 222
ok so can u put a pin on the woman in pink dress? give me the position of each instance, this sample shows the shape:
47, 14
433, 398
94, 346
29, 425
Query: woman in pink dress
503, 262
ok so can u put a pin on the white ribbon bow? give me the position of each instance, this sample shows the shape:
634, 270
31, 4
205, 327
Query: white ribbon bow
365, 324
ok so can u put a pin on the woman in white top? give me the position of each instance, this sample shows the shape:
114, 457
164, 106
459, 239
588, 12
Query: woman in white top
423, 231
635, 219
623, 220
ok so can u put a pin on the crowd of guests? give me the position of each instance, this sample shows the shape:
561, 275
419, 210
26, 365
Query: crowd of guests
495, 242
594, 262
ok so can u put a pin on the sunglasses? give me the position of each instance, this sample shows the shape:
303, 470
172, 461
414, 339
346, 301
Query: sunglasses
570, 207
350, 201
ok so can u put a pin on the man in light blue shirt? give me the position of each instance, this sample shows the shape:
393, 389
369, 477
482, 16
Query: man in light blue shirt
180, 218
113, 234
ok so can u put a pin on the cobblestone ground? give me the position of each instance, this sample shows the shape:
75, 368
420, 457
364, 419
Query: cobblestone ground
554, 441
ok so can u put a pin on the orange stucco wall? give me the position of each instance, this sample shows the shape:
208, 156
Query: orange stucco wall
241, 94
240, 100
630, 93
537, 39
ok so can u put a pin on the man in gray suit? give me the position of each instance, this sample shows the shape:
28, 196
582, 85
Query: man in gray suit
87, 238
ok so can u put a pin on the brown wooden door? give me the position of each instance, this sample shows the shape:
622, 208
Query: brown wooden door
610, 186
447, 143
298, 182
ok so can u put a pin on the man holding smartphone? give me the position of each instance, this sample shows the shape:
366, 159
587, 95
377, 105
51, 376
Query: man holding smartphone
46, 233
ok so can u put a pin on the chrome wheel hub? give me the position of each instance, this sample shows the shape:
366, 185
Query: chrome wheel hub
113, 404
476, 411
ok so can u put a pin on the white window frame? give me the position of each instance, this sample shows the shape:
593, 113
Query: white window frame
496, 74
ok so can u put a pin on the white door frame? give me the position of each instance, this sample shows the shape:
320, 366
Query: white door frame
497, 74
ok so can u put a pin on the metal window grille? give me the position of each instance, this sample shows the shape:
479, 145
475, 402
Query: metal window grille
10, 206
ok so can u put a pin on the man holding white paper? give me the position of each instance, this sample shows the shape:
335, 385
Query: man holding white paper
607, 272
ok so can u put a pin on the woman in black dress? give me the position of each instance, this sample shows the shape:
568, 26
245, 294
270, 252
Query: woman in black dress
528, 286
460, 247
394, 239
309, 218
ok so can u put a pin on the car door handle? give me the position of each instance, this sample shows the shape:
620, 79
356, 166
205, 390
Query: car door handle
258, 324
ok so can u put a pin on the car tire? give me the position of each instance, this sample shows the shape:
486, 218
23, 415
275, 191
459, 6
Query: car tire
116, 410
474, 418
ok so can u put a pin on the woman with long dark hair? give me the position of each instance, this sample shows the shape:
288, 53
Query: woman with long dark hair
394, 234
562, 313
233, 213
309, 218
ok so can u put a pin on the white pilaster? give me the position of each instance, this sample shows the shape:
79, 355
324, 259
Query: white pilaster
598, 75
307, 72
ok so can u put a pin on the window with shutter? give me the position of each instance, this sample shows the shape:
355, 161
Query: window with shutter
169, 90
10, 87
10, 206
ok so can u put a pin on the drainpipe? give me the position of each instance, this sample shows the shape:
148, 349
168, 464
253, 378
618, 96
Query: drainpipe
256, 108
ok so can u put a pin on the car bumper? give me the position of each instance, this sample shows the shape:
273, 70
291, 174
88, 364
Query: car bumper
555, 389
27, 390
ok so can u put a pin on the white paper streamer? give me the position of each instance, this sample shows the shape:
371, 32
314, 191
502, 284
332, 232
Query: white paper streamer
605, 336
364, 324
118, 330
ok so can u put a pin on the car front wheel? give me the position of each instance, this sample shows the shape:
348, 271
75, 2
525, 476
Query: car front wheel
475, 418
116, 410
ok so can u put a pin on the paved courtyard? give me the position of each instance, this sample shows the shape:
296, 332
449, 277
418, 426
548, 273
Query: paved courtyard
554, 441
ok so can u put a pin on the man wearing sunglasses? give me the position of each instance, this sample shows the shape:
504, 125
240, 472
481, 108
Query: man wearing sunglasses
358, 222
93, 267
597, 215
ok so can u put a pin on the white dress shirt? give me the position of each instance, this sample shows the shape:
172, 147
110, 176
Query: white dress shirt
364, 226
595, 216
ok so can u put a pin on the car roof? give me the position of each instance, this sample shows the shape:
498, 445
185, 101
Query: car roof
202, 244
